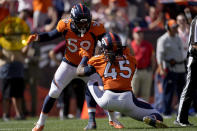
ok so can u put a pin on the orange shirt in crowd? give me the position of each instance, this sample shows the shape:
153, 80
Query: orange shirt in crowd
121, 3
4, 13
41, 5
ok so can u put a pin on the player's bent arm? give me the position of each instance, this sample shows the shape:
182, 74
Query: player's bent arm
83, 69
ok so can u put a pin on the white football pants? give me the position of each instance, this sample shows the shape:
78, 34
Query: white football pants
125, 102
63, 76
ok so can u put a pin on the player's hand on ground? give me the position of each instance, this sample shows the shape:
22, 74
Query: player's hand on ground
32, 38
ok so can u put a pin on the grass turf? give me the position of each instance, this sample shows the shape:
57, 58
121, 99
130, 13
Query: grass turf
54, 124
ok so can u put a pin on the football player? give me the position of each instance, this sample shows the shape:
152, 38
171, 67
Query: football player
116, 67
80, 33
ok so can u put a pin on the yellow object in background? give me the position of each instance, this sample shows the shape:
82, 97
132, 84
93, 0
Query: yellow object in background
13, 33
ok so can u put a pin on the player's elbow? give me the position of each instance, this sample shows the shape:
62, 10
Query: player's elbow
80, 71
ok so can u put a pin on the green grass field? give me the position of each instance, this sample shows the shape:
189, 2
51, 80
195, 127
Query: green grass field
54, 124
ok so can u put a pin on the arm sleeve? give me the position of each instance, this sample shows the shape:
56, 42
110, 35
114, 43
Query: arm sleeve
84, 61
47, 36
89, 70
98, 30
160, 51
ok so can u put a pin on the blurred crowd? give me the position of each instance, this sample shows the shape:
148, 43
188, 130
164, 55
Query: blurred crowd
156, 32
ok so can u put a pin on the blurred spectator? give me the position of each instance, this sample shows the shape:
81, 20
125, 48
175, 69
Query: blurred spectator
12, 75
171, 64
53, 16
98, 11
144, 54
117, 20
24, 5
158, 91
31, 60
12, 65
25, 11
31, 71
188, 15
154, 19
183, 32
142, 7
4, 11
40, 8
120, 3
59, 6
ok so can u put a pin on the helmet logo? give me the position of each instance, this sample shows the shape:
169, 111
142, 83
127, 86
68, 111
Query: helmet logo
72, 12
104, 42
83, 20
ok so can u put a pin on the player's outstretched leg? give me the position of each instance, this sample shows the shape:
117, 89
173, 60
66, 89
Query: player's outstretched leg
154, 120
47, 106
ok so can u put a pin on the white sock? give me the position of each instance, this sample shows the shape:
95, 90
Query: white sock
42, 119
111, 115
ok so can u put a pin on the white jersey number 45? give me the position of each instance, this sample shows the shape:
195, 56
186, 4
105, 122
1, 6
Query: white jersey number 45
113, 72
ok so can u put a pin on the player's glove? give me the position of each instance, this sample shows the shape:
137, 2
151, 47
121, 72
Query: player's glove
31, 38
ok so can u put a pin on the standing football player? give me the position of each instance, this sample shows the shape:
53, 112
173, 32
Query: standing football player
116, 68
80, 33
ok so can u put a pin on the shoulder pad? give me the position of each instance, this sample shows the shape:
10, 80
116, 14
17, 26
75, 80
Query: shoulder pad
63, 24
97, 28
96, 59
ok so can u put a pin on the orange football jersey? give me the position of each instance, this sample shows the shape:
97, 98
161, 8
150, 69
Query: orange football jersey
74, 42
115, 77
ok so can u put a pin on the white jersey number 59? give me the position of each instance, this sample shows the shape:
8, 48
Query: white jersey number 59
73, 47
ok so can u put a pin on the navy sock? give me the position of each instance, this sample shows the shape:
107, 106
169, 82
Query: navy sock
158, 116
48, 104
91, 103
91, 117
89, 99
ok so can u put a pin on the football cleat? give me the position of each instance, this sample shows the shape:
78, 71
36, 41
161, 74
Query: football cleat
153, 122
90, 126
38, 128
116, 124
111, 123
183, 124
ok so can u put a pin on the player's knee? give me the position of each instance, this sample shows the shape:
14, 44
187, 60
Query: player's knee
103, 104
55, 93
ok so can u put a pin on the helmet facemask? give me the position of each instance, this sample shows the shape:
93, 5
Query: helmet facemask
112, 50
82, 26
81, 19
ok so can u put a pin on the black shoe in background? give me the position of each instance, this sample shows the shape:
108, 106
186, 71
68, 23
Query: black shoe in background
183, 124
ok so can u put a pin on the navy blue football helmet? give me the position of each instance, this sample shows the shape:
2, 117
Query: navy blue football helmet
81, 18
112, 46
